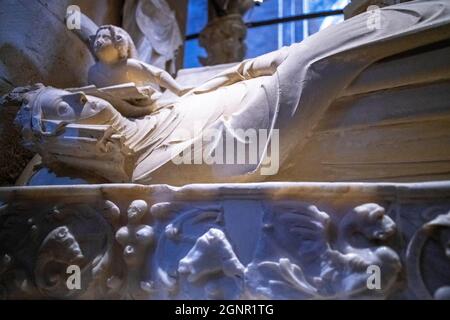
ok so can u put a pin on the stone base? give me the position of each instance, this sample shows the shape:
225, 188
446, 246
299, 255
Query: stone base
226, 241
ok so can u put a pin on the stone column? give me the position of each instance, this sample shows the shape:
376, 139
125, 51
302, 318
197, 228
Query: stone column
224, 36
180, 8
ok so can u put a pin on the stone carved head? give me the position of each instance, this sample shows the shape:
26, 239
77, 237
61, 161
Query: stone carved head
136, 211
40, 103
369, 220
61, 244
113, 44
58, 250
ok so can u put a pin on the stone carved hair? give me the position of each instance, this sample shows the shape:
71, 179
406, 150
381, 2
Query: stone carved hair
121, 40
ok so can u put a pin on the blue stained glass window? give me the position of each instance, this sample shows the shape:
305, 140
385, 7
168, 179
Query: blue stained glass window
197, 16
267, 38
261, 40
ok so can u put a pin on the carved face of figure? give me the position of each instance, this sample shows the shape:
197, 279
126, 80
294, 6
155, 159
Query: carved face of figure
66, 106
67, 240
63, 105
61, 242
136, 211
112, 44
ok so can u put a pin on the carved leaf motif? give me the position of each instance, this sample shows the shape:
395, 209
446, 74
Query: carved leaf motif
293, 275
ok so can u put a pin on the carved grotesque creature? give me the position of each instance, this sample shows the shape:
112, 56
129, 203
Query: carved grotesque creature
211, 258
332, 261
211, 253
365, 224
59, 250
362, 236
45, 244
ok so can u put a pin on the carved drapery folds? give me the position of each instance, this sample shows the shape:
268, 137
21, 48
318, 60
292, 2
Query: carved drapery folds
154, 28
275, 241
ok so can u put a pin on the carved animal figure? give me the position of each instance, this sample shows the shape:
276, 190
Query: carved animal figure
336, 266
212, 253
362, 234
58, 250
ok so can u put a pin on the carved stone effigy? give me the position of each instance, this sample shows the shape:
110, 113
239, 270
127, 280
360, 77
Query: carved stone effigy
350, 103
330, 108
271, 240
